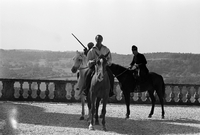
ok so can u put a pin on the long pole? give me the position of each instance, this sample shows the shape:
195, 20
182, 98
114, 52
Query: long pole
79, 41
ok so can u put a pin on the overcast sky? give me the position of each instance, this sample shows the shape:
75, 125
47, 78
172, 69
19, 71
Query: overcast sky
152, 25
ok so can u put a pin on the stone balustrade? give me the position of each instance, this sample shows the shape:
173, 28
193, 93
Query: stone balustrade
65, 91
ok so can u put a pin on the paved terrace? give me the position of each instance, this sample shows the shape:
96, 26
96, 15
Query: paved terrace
35, 118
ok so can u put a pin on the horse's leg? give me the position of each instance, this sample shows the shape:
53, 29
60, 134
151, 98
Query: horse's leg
103, 114
127, 100
151, 94
92, 110
83, 107
161, 98
96, 111
89, 106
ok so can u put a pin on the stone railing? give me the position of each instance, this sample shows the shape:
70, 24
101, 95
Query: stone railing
65, 91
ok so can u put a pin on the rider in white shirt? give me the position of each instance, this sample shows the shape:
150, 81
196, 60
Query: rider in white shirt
99, 49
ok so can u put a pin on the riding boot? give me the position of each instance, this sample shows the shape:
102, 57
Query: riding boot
111, 78
87, 83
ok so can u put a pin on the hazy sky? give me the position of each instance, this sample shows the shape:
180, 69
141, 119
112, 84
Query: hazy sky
152, 25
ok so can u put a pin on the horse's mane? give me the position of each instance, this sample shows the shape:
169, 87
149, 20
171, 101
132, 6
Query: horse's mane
121, 67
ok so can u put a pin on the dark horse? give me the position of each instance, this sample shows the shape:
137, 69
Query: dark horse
128, 83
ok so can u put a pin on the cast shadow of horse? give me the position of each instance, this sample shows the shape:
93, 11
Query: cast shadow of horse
30, 114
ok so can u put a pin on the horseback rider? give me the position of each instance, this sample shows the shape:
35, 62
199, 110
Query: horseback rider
139, 64
85, 50
89, 45
100, 49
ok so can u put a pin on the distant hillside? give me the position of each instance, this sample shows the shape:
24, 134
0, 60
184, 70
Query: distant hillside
174, 67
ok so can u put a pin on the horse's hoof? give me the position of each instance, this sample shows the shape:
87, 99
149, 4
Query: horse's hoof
150, 116
127, 117
163, 117
104, 128
82, 118
96, 122
91, 127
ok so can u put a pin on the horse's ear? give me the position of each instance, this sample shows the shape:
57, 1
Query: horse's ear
78, 52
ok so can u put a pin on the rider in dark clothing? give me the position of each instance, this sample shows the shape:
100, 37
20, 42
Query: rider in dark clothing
90, 45
139, 63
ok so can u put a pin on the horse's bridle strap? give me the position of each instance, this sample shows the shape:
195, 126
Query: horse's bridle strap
121, 73
83, 68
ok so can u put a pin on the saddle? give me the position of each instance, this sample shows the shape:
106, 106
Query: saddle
141, 81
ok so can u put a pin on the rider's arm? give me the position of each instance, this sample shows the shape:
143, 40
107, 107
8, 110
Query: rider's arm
143, 61
132, 63
91, 59
109, 58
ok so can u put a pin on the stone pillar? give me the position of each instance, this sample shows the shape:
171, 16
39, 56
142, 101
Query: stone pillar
8, 90
60, 93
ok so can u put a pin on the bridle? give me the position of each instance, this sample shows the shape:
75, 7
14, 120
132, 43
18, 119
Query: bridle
82, 68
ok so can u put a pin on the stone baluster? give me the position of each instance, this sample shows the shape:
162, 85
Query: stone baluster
34, 88
118, 93
43, 88
147, 97
69, 91
1, 88
135, 97
168, 93
143, 97
172, 95
25, 88
196, 95
17, 88
188, 96
180, 95
51, 87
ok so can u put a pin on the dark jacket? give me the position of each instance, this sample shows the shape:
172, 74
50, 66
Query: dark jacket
141, 61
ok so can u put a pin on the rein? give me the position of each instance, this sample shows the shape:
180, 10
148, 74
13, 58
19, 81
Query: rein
121, 73
83, 68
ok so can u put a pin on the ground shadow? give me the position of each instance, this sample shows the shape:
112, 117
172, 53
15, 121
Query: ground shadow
30, 114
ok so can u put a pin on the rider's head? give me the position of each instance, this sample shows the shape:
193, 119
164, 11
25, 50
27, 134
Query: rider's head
90, 45
134, 49
99, 38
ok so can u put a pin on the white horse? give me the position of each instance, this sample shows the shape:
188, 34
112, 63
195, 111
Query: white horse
80, 64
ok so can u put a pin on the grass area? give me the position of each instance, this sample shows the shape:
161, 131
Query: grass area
33, 118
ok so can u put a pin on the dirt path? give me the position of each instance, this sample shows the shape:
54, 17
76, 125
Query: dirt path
63, 119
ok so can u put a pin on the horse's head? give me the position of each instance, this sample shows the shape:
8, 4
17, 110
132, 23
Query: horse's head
101, 63
103, 58
79, 61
